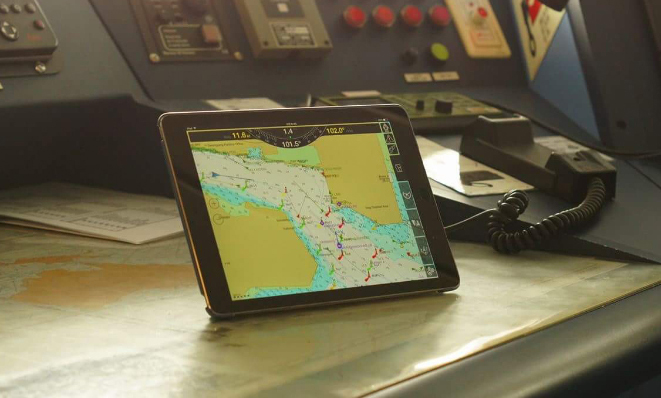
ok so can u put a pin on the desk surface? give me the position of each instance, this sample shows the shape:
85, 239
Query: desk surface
81, 316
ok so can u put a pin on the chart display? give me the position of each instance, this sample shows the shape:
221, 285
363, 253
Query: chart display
298, 209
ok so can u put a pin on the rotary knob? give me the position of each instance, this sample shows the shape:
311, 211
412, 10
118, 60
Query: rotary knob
411, 56
9, 31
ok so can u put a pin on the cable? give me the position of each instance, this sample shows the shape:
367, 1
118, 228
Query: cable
515, 203
461, 224
602, 149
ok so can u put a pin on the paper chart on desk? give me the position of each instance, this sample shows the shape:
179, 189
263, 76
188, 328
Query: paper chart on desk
462, 174
94, 212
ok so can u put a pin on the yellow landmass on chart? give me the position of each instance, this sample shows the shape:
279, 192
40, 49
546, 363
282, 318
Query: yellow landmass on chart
357, 175
252, 264
104, 284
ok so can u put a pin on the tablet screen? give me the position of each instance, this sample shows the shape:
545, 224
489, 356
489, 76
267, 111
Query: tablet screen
298, 209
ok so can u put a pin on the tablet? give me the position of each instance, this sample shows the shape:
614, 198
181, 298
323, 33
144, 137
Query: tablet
286, 208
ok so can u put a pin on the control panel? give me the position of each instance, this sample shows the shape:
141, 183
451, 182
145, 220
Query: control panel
27, 42
412, 18
293, 48
183, 30
284, 28
384, 16
479, 29
129, 60
430, 112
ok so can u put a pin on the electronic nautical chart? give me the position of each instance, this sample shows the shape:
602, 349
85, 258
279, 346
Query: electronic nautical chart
298, 209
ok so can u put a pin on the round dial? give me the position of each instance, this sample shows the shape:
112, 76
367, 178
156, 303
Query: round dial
288, 137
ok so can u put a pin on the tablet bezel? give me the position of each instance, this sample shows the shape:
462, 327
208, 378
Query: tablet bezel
199, 232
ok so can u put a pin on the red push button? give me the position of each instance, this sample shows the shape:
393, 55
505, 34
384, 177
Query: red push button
412, 16
383, 16
480, 15
440, 16
355, 17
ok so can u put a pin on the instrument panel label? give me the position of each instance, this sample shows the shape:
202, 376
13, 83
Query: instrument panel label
283, 8
418, 77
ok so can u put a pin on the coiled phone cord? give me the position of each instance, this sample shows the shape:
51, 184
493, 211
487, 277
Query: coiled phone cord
515, 203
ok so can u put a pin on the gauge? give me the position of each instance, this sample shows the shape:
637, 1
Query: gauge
289, 137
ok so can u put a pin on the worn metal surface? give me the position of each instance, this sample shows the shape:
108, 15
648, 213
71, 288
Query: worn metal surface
81, 317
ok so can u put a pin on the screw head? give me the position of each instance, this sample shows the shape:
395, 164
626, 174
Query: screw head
40, 67
154, 58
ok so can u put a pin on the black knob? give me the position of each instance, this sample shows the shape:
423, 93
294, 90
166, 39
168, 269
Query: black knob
411, 56
420, 105
443, 106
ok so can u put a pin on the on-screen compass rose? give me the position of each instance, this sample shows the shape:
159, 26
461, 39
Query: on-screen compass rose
288, 137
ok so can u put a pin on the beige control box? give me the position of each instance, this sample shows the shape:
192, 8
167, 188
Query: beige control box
479, 29
284, 28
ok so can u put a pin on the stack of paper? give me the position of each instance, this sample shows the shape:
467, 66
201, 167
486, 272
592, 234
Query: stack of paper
91, 212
